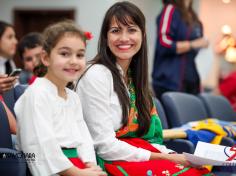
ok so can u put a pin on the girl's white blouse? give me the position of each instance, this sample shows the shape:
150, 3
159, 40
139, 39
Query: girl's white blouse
47, 123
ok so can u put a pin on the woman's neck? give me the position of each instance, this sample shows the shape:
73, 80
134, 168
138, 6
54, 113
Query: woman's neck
124, 66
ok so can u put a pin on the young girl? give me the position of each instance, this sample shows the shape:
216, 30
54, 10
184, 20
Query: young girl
51, 125
117, 104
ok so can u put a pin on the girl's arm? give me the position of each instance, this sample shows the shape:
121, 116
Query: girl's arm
11, 119
86, 149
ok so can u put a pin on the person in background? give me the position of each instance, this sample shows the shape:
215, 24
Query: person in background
8, 44
30, 49
179, 38
49, 115
117, 103
227, 88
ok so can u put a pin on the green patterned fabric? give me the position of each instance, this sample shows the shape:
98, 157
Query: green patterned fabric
70, 153
154, 134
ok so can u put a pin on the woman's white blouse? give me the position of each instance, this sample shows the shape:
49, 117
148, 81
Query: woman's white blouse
103, 115
46, 123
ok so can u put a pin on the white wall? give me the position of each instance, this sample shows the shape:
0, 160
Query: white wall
89, 15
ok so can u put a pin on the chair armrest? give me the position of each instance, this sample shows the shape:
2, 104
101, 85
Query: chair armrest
226, 141
180, 145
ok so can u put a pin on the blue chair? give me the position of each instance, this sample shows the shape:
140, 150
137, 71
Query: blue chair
161, 113
218, 107
182, 108
11, 96
178, 145
11, 163
5, 134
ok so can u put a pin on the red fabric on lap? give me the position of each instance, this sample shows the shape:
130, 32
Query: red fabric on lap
149, 168
138, 142
77, 162
155, 167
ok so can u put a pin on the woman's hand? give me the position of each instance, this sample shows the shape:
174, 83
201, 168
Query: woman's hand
177, 158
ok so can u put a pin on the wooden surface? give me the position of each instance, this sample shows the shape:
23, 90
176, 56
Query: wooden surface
174, 134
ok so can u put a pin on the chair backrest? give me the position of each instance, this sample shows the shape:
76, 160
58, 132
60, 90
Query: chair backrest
19, 90
11, 96
161, 113
181, 108
9, 99
5, 134
218, 107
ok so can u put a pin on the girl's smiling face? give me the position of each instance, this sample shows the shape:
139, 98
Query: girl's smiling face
66, 61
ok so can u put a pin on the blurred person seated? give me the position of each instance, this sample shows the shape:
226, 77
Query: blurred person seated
227, 88
7, 83
30, 48
8, 44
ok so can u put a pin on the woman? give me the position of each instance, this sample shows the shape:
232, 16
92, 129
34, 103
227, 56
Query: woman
117, 104
179, 38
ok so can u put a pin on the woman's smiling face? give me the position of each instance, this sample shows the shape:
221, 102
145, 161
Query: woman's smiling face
124, 41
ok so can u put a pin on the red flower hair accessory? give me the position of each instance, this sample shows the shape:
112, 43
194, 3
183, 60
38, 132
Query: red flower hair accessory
88, 35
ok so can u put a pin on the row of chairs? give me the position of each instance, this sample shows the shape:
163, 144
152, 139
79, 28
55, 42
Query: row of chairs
176, 109
182, 108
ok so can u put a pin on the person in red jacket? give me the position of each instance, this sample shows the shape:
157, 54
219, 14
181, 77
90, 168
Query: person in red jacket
227, 88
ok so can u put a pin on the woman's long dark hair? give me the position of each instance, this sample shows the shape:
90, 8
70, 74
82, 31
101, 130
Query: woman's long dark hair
127, 13
187, 14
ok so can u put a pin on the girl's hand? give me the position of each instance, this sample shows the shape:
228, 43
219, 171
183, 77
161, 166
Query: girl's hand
93, 166
92, 171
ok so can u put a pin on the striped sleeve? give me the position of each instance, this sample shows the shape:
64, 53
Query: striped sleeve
165, 25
